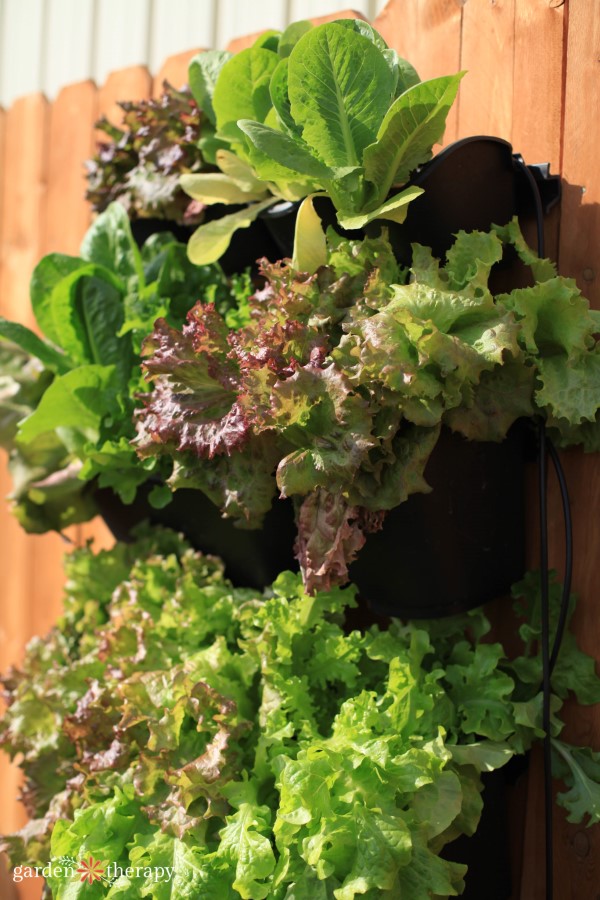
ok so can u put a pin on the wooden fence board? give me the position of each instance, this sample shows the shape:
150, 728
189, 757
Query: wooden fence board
539, 81
174, 70
23, 195
578, 871
2, 163
71, 142
580, 229
8, 779
22, 233
24, 177
485, 104
133, 83
428, 35
24, 188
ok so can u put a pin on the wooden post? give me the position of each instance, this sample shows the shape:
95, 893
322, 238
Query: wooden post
21, 230
428, 35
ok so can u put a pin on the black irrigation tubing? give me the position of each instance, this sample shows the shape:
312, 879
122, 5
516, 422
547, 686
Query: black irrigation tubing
546, 448
545, 616
564, 604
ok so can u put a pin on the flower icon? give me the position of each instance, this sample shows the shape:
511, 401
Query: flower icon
91, 870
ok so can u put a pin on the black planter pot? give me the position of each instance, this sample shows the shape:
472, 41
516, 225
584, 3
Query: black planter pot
246, 247
470, 185
487, 852
437, 554
457, 547
252, 558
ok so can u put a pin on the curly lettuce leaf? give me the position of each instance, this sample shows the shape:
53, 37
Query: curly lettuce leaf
579, 768
251, 745
351, 373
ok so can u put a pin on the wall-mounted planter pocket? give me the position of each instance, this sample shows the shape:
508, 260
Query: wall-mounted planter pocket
462, 544
437, 554
470, 185
457, 547
252, 558
247, 245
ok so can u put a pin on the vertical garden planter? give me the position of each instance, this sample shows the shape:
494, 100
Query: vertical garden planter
334, 413
473, 520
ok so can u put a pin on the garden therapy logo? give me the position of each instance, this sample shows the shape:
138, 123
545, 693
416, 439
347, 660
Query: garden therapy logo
89, 870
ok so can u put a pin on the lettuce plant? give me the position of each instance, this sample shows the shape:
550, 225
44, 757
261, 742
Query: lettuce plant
328, 109
67, 401
141, 162
335, 390
255, 747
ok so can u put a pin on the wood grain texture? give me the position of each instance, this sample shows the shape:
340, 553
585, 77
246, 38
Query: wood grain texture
24, 177
427, 34
577, 849
539, 64
66, 218
580, 228
2, 159
70, 143
8, 774
485, 104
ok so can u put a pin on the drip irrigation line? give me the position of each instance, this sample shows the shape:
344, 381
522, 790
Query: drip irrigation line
549, 657
564, 604
545, 641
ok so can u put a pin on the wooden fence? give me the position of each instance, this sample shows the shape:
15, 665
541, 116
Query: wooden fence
533, 78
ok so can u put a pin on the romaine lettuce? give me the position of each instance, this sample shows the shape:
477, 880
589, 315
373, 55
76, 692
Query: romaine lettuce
334, 391
75, 428
330, 109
